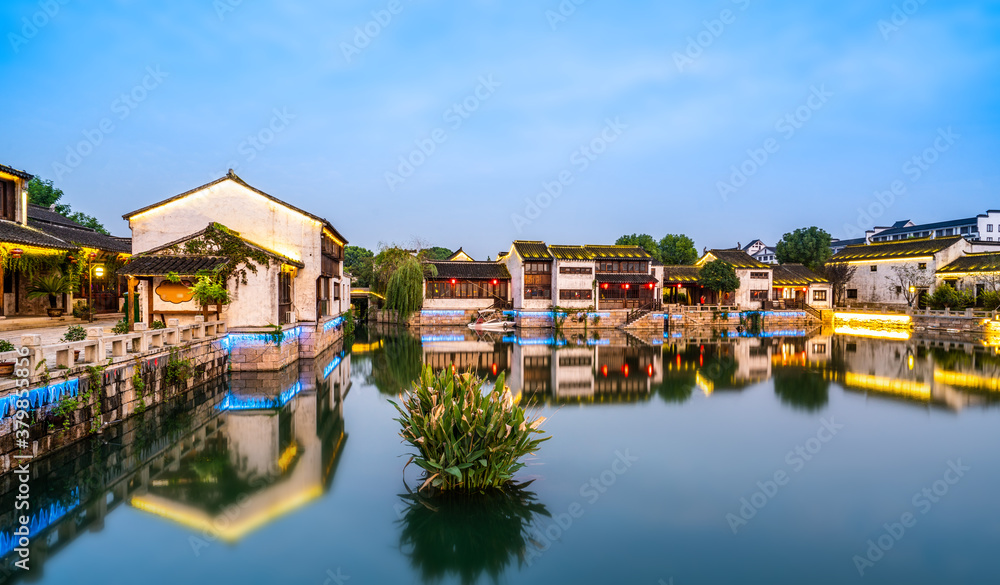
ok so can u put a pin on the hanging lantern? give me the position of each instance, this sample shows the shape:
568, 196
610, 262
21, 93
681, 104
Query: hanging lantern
92, 255
453, 281
16, 252
494, 282
626, 287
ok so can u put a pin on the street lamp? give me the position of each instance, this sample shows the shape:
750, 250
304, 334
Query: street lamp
913, 290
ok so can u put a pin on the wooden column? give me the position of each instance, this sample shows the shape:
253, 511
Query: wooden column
133, 301
149, 298
1, 291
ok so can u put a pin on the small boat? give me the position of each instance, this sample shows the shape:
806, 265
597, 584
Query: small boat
491, 320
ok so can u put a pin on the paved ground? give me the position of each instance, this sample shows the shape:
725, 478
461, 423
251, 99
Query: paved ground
52, 334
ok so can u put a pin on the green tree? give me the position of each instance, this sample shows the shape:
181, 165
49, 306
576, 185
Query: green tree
946, 297
45, 194
360, 263
644, 241
405, 289
677, 249
437, 253
718, 276
808, 246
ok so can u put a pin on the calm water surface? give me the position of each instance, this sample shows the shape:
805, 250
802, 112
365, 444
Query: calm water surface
782, 459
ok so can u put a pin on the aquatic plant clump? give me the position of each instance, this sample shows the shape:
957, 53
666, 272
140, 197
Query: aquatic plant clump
467, 439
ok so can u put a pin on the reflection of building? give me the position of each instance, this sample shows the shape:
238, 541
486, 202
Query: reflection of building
274, 448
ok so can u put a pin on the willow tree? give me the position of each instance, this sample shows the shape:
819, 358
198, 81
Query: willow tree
405, 291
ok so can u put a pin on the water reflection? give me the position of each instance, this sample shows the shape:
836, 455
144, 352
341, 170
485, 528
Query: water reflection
468, 536
615, 366
224, 459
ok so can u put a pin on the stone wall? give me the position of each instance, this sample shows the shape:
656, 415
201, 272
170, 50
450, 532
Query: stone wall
110, 395
256, 350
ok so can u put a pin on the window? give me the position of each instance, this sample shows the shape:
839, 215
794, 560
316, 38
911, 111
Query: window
575, 270
851, 347
576, 295
8, 200
336, 289
583, 360
819, 348
899, 290
874, 268
758, 295
819, 295
852, 293
759, 275
989, 227
922, 265
537, 293
538, 268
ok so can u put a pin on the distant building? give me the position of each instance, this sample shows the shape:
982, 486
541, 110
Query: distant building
974, 272
983, 227
761, 252
755, 279
795, 282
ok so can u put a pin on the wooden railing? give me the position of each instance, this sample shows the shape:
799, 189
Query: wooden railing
96, 348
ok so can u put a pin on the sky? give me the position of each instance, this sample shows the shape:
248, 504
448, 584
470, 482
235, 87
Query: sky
475, 123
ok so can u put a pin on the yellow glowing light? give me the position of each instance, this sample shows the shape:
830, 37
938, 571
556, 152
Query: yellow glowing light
98, 271
878, 260
876, 333
871, 317
330, 235
967, 380
232, 532
366, 347
706, 385
288, 456
909, 362
885, 385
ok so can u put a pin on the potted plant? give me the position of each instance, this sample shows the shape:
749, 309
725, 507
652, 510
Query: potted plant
75, 333
6, 366
50, 286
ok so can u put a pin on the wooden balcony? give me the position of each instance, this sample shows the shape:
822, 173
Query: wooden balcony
330, 266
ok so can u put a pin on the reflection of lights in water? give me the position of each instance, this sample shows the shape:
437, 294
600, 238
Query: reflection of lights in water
245, 523
441, 338
875, 333
367, 347
333, 365
288, 456
706, 385
46, 517
885, 385
234, 402
899, 320
967, 380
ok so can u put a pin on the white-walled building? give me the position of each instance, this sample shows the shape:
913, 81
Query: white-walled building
795, 282
755, 279
303, 283
878, 265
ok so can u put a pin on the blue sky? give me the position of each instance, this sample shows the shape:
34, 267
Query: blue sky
642, 109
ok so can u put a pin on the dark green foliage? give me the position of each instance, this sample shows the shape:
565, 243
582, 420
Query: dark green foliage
437, 253
397, 364
208, 290
718, 276
466, 439
83, 311
468, 536
405, 290
360, 263
74, 333
677, 249
801, 389
946, 297
989, 300
218, 240
644, 241
807, 246
120, 328
49, 286
676, 390
158, 325
178, 370
6, 346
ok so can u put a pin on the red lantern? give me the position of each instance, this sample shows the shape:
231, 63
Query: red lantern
625, 370
625, 286
649, 370
494, 369
604, 371
494, 282
453, 281
16, 252
604, 286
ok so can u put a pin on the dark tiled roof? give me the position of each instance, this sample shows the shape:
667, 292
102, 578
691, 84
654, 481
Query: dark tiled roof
618, 252
16, 173
16, 233
736, 257
471, 270
980, 262
460, 252
162, 264
532, 250
571, 252
845, 243
901, 223
254, 245
927, 226
795, 275
912, 248
37, 212
233, 177
625, 278
680, 273
85, 237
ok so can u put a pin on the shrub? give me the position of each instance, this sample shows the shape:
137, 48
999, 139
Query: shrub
158, 325
947, 297
83, 311
989, 299
6, 346
178, 370
467, 439
74, 333
120, 328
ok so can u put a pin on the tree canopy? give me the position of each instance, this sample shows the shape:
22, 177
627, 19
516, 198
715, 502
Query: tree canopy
436, 253
808, 246
677, 249
719, 276
46, 194
644, 241
405, 288
360, 263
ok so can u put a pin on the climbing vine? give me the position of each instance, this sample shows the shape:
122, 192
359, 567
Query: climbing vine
219, 240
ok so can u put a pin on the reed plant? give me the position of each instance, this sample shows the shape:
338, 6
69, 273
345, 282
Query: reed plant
467, 438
